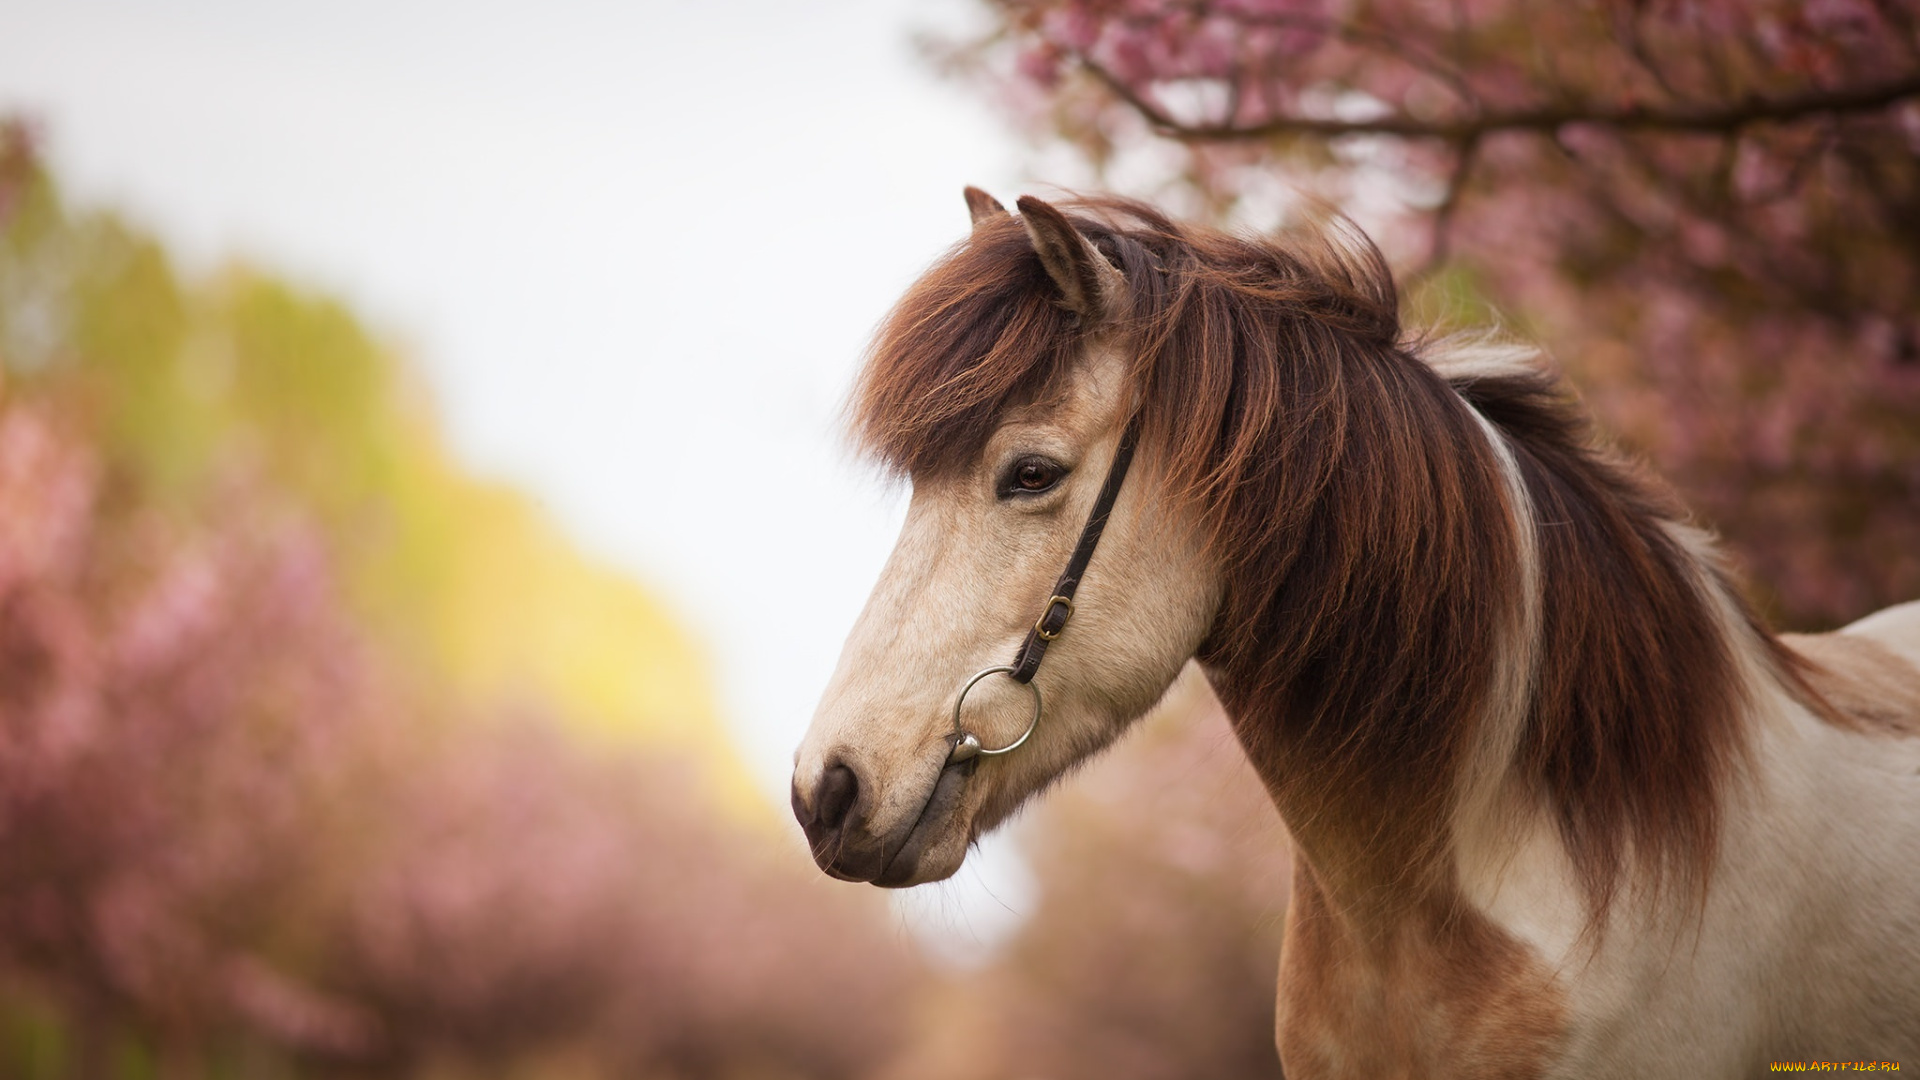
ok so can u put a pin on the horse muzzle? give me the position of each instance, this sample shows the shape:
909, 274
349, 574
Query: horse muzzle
836, 817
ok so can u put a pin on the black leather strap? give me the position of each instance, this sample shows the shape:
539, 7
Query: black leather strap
1053, 618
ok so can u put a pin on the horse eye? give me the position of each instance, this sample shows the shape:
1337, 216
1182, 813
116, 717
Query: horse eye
1030, 476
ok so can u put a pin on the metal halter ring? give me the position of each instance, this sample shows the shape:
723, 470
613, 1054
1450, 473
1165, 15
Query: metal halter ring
969, 747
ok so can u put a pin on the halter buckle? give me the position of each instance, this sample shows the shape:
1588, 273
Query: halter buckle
1040, 625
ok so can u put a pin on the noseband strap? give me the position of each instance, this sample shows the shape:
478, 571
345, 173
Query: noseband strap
1059, 607
1053, 618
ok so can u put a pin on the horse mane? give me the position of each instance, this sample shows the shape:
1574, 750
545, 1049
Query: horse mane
1357, 505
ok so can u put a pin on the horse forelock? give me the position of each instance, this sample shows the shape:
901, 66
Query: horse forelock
1363, 517
980, 331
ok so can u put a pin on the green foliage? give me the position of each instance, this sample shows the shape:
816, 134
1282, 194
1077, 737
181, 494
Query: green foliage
192, 386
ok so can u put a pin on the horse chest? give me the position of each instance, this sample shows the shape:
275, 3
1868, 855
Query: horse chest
1434, 995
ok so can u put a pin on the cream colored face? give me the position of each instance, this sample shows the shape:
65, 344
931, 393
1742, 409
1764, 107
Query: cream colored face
973, 567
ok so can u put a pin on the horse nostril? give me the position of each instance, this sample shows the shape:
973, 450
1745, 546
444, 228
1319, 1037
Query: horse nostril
835, 797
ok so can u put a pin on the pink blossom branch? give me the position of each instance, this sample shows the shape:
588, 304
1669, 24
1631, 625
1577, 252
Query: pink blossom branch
1382, 42
1713, 119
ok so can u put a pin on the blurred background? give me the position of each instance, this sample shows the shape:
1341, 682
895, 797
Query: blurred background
424, 526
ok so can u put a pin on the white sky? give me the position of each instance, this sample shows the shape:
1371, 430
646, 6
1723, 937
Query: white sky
635, 247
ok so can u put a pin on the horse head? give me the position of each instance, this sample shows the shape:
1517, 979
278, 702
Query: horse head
1002, 387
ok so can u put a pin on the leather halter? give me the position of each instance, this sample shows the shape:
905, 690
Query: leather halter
1059, 608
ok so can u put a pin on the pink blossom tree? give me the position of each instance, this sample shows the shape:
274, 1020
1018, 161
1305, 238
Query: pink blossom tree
1707, 211
238, 824
174, 708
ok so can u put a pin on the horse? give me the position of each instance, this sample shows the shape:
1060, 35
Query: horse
1561, 804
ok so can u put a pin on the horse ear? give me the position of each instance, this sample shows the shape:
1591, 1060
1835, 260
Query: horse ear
983, 206
1089, 284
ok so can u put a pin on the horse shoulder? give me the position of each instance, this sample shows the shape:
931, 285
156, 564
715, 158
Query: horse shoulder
1820, 861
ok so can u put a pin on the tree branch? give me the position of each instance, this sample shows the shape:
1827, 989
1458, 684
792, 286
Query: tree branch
1441, 242
1715, 119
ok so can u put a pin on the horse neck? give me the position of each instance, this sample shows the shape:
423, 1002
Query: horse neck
1480, 610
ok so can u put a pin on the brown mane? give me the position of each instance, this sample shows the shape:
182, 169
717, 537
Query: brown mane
1358, 509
